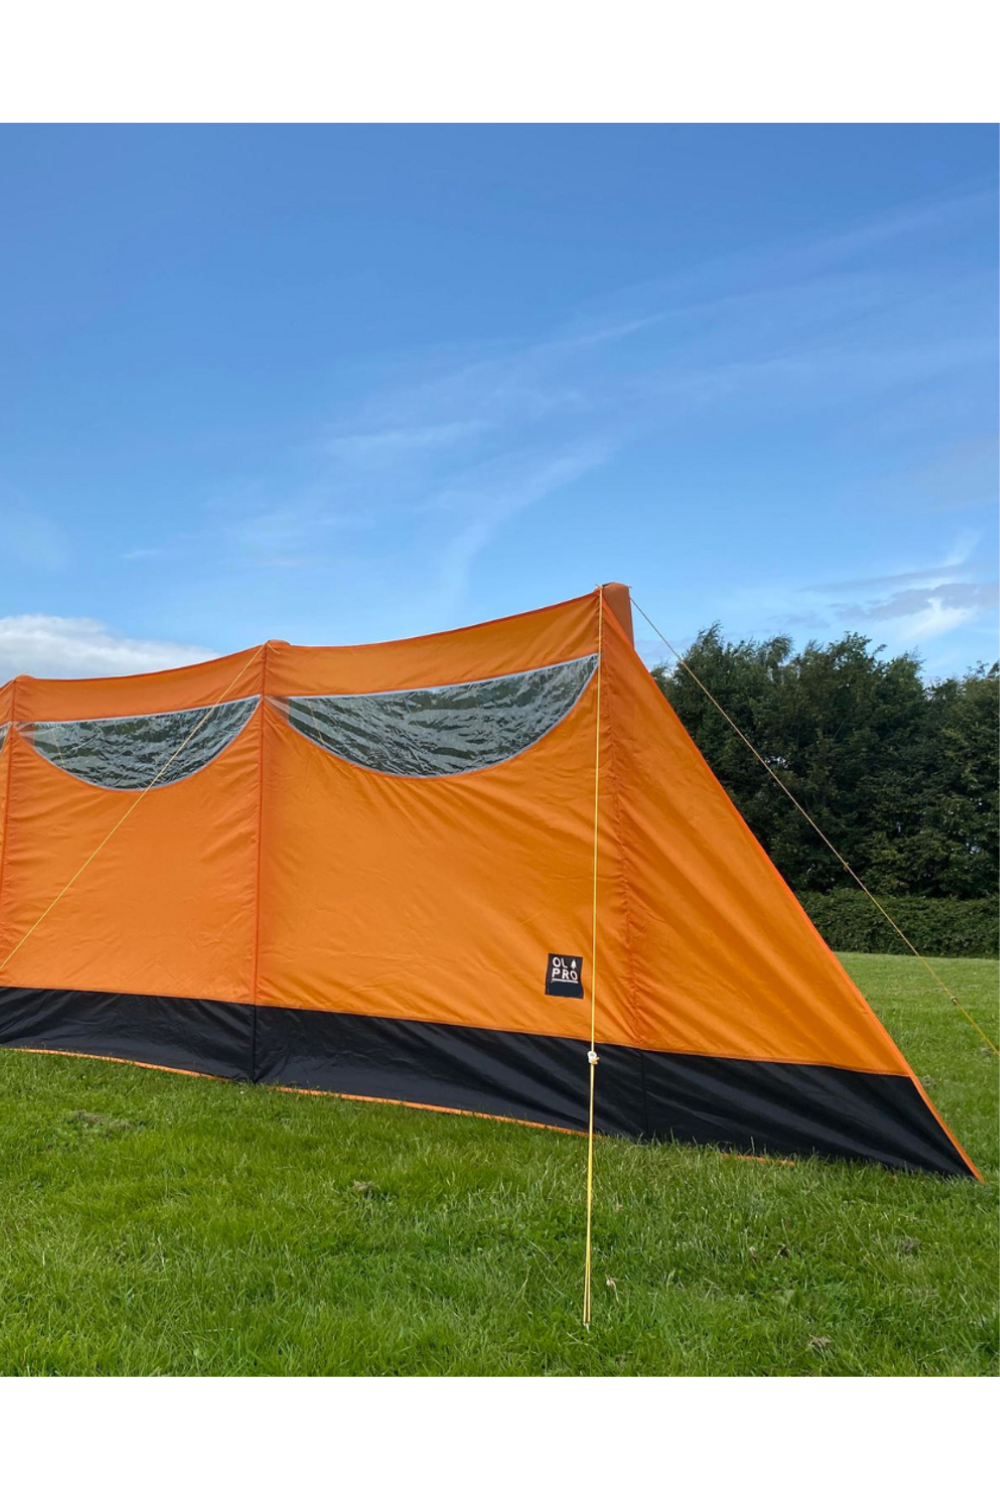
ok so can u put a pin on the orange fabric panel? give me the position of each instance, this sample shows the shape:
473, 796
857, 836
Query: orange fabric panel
726, 961
440, 899
236, 676
6, 703
539, 639
167, 907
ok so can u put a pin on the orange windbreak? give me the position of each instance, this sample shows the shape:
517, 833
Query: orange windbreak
167, 907
351, 854
726, 961
440, 899
433, 898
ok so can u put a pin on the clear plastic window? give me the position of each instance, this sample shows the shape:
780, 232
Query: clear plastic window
443, 731
127, 754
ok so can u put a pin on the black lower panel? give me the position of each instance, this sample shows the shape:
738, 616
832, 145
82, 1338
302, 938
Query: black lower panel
537, 1078
796, 1108
205, 1036
787, 1108
783, 1108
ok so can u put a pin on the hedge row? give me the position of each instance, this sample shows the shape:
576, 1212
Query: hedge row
958, 929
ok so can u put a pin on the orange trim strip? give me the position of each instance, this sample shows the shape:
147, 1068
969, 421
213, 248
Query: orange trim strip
282, 1088
770, 1161
129, 1062
438, 1109
957, 1144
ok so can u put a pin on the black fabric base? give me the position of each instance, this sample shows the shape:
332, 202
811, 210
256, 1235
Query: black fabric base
200, 1036
757, 1107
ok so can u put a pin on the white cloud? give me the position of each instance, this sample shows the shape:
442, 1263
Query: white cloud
919, 602
937, 619
962, 549
57, 646
927, 604
486, 498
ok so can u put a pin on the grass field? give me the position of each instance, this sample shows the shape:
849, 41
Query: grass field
158, 1224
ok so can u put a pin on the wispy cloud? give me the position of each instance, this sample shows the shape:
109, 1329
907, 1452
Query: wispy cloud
954, 563
926, 612
795, 323
57, 646
903, 608
428, 460
388, 443
479, 502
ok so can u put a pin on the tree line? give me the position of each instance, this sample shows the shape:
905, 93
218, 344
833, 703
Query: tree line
900, 773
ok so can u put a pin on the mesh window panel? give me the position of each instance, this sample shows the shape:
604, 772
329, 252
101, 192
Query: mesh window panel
3, 733
126, 754
443, 731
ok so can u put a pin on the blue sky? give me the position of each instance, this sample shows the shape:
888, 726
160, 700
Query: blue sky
346, 384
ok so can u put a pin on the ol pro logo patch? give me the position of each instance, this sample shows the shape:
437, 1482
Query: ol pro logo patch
564, 975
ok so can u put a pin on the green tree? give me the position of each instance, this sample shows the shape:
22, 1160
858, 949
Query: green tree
901, 775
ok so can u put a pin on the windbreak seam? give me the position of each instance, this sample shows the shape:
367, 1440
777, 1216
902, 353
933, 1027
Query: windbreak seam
634, 999
5, 827
255, 957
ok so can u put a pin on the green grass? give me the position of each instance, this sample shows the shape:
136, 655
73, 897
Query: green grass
154, 1223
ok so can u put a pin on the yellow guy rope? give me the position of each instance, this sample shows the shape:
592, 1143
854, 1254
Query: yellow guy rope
816, 828
129, 810
592, 1054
